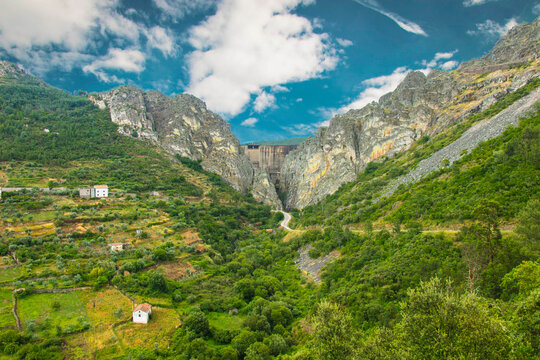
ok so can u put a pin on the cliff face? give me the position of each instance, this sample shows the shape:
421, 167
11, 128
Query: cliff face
421, 105
182, 125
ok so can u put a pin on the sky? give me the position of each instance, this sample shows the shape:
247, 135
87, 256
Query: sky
273, 69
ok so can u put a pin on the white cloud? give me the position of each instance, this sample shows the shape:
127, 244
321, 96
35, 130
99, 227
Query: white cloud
264, 101
250, 122
249, 45
301, 129
344, 42
178, 9
279, 88
27, 23
375, 88
403, 23
469, 3
65, 34
160, 38
493, 29
436, 61
129, 60
449, 65
536, 9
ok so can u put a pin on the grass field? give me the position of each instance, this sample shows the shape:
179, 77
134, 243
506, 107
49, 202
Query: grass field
10, 274
102, 310
6, 317
159, 330
225, 321
40, 308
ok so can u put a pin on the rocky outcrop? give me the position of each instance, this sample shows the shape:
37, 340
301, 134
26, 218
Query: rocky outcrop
519, 46
483, 131
421, 105
183, 126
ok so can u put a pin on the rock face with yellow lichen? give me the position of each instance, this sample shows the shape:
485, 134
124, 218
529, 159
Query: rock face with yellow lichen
420, 105
183, 126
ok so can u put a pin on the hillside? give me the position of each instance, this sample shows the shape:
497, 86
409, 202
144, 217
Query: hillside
420, 106
428, 250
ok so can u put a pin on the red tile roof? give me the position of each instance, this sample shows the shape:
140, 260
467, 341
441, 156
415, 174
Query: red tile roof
101, 187
143, 307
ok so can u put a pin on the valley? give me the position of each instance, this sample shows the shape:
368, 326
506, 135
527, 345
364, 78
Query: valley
410, 231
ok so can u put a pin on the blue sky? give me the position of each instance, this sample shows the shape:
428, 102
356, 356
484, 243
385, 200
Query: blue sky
274, 69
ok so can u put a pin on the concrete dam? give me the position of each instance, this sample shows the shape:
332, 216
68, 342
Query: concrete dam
268, 157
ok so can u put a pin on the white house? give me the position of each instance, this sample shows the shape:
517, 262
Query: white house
117, 246
98, 191
101, 191
141, 313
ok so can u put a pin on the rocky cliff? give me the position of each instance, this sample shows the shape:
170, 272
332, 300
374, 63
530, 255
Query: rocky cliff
182, 125
421, 105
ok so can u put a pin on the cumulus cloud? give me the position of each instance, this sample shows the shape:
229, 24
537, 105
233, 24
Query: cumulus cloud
129, 61
250, 122
449, 65
264, 101
161, 39
403, 23
536, 9
65, 34
376, 87
469, 3
249, 45
344, 42
493, 29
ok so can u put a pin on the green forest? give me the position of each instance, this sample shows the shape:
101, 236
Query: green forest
446, 268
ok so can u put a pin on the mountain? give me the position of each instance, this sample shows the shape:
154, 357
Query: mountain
183, 126
420, 106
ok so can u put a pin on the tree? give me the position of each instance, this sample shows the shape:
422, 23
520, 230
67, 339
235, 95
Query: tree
276, 344
528, 227
439, 324
334, 337
243, 340
257, 351
157, 282
527, 320
197, 323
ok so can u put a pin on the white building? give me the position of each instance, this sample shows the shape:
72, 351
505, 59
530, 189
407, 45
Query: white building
141, 313
98, 191
117, 246
101, 191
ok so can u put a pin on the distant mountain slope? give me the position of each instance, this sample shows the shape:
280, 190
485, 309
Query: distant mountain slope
420, 106
45, 124
438, 185
182, 125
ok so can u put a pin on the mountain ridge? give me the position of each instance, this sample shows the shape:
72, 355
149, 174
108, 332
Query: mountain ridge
420, 106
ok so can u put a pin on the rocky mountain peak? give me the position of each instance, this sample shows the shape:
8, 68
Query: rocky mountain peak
520, 45
420, 105
7, 68
182, 125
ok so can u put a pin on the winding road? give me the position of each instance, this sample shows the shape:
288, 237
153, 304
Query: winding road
287, 217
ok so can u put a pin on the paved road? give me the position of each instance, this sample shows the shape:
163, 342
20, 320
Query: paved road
285, 223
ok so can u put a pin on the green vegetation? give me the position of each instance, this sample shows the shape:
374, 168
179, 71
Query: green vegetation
223, 287
504, 169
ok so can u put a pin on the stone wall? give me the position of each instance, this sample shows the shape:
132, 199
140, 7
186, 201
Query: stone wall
268, 158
